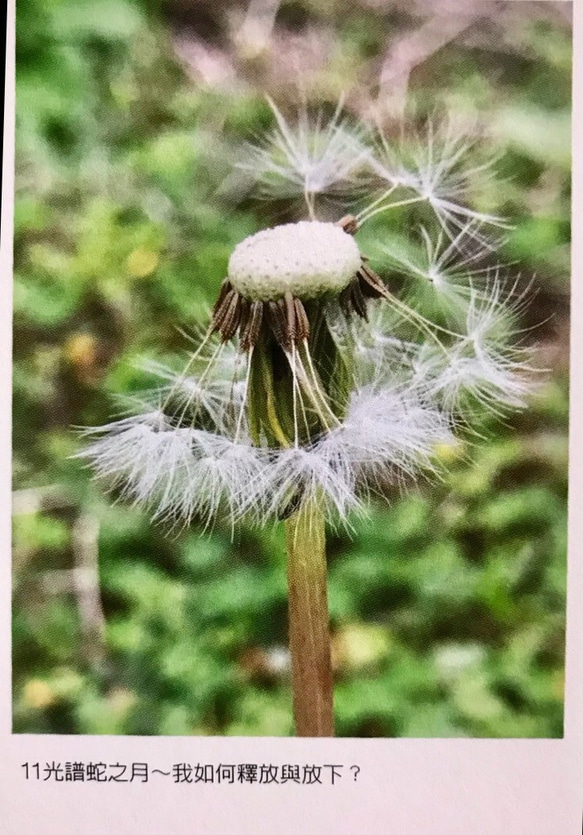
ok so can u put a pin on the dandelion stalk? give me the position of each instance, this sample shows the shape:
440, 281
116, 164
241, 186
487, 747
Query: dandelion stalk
309, 631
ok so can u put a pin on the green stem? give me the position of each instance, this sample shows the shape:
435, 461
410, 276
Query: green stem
309, 631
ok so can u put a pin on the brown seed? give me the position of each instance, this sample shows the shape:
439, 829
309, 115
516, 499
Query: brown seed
357, 299
227, 315
245, 313
344, 300
250, 333
221, 309
290, 318
371, 284
232, 318
277, 321
226, 286
349, 223
302, 321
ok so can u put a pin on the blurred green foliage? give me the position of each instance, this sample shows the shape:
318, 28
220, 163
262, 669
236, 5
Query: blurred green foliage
447, 607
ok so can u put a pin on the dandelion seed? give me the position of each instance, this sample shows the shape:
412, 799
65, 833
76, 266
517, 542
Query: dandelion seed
309, 159
435, 170
486, 365
448, 267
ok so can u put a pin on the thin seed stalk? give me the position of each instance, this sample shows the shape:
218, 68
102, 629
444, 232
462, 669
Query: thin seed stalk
309, 630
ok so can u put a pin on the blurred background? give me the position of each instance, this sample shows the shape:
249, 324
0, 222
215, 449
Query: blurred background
448, 606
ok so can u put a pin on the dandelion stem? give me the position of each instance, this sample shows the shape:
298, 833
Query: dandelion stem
309, 631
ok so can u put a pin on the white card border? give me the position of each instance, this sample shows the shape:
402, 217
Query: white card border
450, 786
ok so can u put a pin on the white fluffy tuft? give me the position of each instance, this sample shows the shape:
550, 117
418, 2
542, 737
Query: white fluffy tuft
176, 473
386, 434
311, 158
305, 475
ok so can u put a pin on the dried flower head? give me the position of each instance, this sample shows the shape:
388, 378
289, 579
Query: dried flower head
336, 386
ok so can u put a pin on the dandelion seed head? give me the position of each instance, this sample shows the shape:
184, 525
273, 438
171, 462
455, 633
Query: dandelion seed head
308, 259
285, 404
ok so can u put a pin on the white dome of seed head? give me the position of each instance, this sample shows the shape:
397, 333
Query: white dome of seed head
307, 259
